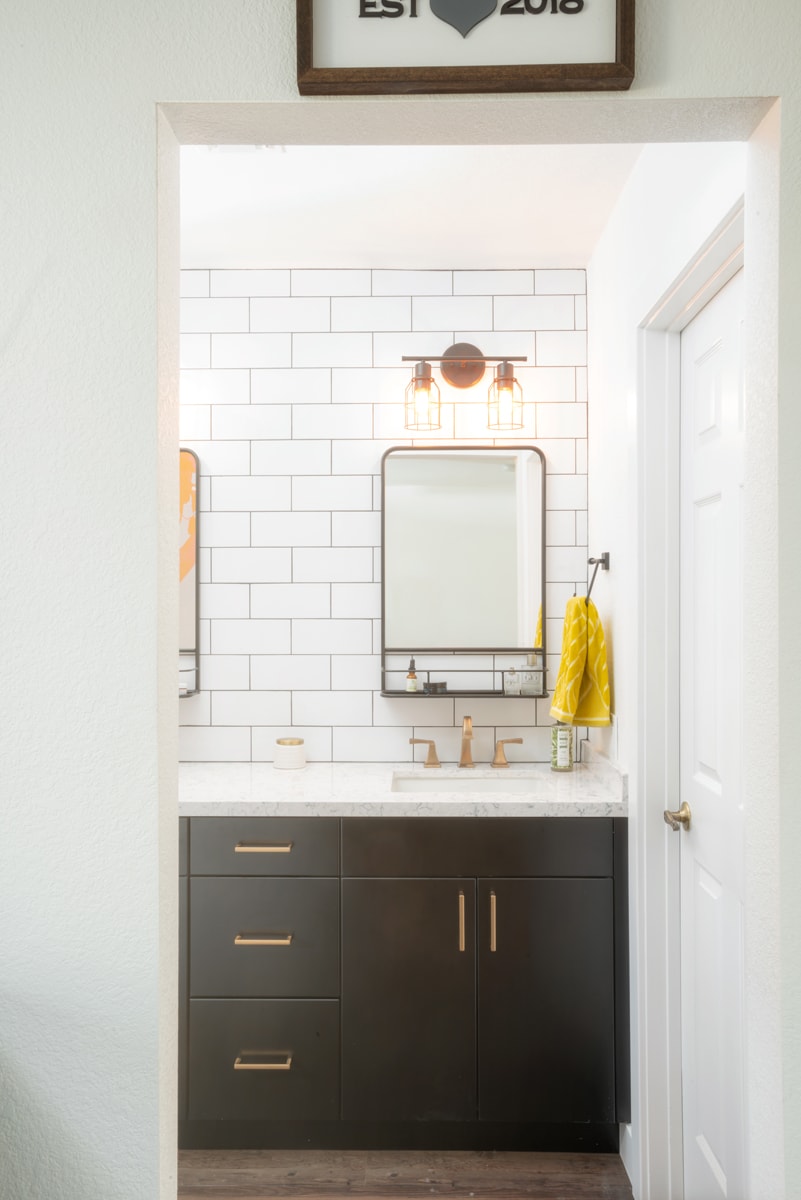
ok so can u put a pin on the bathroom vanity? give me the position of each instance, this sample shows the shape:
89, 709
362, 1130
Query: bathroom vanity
403, 958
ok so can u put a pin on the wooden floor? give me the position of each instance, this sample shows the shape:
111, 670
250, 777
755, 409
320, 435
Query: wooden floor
398, 1174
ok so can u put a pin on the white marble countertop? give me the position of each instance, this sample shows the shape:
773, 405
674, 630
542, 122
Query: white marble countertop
595, 789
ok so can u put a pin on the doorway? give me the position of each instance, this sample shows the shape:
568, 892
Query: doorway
498, 135
681, 402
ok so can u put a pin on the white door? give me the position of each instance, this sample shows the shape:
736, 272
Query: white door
712, 438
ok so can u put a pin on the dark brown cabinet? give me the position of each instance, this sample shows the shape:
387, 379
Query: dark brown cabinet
441, 982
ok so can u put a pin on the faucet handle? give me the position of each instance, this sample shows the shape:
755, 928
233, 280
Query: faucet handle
431, 756
500, 754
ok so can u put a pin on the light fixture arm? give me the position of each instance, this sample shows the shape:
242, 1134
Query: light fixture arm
484, 358
462, 365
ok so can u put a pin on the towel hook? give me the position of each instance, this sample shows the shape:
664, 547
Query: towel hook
603, 563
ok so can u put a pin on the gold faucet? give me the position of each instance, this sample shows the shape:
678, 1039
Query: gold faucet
500, 759
466, 758
431, 757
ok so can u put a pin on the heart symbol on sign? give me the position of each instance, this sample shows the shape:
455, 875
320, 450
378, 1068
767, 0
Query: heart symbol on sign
463, 15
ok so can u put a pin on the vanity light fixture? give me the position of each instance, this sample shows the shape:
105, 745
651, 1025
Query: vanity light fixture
462, 366
421, 406
505, 399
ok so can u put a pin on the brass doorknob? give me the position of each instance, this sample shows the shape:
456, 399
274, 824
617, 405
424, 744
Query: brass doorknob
676, 819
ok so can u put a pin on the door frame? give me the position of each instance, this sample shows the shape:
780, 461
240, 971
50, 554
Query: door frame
656, 858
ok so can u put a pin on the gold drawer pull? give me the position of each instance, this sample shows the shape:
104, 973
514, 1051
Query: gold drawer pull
286, 1065
493, 923
461, 922
263, 847
263, 939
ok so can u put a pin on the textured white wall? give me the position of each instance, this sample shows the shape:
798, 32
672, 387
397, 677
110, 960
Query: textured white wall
86, 725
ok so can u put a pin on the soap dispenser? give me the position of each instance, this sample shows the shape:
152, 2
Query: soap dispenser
411, 678
511, 683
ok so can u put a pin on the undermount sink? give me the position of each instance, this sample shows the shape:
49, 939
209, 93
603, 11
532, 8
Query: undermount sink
503, 781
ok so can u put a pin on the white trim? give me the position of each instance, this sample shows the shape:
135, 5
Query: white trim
656, 858
717, 261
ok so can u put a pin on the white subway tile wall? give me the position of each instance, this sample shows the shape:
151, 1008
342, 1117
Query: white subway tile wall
291, 391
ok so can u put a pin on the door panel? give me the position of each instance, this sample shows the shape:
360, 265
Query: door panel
710, 769
408, 1000
546, 1000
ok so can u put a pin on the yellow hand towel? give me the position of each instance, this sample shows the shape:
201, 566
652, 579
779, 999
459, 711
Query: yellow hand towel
538, 631
581, 695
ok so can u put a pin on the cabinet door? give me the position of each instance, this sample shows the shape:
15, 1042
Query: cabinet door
408, 999
546, 1000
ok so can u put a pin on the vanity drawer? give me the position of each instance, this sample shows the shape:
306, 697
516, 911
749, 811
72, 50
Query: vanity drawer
264, 1059
264, 937
475, 846
264, 846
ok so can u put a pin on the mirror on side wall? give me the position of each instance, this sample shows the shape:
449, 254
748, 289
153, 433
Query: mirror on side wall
463, 569
188, 640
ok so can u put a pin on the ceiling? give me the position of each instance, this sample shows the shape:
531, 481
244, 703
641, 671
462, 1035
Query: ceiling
446, 207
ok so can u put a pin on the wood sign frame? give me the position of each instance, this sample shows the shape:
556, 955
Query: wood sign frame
518, 77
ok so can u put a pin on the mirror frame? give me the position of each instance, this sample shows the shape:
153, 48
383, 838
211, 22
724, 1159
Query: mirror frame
457, 651
189, 656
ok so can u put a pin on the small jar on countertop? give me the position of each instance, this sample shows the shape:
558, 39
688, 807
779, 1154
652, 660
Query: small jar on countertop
290, 754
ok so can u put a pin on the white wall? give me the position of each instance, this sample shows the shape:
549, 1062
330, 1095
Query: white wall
291, 390
86, 725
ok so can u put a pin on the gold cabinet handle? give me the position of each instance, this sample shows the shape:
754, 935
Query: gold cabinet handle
493, 922
461, 923
263, 939
676, 819
263, 847
286, 1065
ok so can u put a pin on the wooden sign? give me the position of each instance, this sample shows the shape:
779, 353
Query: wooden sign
363, 47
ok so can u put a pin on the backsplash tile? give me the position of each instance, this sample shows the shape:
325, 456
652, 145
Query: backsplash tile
292, 390
248, 283
493, 283
291, 315
215, 316
330, 283
194, 283
412, 283
215, 387
388, 313
332, 350
251, 350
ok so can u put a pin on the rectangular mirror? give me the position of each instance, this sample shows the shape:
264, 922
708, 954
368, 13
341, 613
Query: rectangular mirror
188, 641
463, 561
